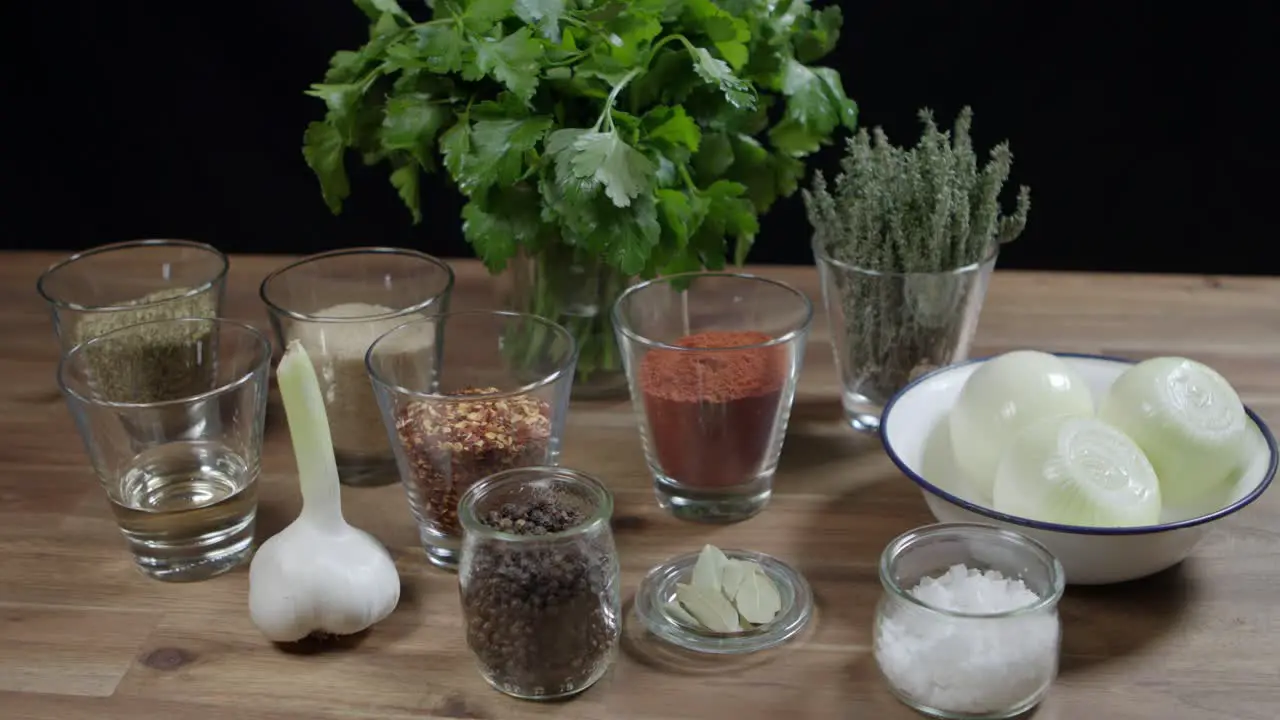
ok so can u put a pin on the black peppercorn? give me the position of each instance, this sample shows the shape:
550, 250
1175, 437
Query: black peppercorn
541, 615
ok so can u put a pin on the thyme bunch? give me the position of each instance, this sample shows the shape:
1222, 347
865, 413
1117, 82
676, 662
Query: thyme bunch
915, 210
898, 235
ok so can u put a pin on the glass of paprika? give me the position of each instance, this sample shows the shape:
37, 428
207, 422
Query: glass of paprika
712, 361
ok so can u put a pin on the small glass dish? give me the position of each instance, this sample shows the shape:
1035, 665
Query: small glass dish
968, 664
658, 590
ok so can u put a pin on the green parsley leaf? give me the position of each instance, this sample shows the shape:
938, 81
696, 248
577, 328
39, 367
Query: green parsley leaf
729, 34
497, 151
512, 61
545, 14
501, 222
634, 234
345, 66
715, 71
605, 159
341, 101
714, 157
589, 220
438, 48
767, 176
490, 235
411, 123
816, 105
728, 214
323, 148
630, 36
377, 8
386, 27
673, 126
455, 145
681, 216
817, 34
405, 180
481, 15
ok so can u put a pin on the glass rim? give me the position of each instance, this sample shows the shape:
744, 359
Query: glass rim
822, 256
275, 307
562, 368
1008, 538
801, 329
42, 282
261, 365
471, 523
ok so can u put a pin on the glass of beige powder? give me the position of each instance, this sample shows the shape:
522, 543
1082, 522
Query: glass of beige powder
336, 304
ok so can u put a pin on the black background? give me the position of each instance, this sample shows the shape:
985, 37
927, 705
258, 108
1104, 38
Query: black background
1138, 125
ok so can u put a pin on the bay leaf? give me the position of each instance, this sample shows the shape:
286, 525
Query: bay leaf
676, 610
710, 607
735, 571
757, 599
708, 572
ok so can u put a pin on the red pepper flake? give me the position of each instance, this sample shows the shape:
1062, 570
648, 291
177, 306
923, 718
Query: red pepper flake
451, 443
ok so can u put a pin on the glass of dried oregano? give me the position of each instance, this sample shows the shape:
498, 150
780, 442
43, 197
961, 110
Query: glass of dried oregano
126, 284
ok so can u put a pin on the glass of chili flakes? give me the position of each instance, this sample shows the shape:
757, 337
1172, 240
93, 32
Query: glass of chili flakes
712, 360
462, 400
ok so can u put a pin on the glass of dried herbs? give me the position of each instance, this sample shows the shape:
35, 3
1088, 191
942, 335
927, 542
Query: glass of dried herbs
113, 286
336, 304
540, 581
461, 404
905, 241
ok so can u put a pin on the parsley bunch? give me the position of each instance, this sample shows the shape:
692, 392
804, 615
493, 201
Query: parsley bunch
644, 133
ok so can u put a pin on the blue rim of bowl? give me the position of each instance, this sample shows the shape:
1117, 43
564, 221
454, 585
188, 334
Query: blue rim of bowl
1056, 527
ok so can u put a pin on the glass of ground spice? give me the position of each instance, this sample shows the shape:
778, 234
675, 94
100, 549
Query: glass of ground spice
113, 286
336, 304
712, 360
539, 581
474, 405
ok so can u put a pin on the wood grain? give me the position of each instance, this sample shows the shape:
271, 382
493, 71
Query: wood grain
83, 635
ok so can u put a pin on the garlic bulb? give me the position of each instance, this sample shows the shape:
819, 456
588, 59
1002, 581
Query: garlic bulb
320, 574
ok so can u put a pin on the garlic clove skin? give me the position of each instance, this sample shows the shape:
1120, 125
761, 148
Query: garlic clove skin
308, 580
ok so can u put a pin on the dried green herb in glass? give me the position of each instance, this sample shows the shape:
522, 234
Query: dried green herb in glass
149, 363
892, 231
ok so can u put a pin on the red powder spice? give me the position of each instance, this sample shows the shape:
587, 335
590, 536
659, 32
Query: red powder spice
711, 414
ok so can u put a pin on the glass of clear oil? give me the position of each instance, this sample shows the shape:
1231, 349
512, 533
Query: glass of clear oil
171, 413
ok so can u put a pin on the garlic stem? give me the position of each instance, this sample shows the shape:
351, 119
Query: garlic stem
312, 441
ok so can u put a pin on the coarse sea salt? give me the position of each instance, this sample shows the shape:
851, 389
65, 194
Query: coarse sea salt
972, 665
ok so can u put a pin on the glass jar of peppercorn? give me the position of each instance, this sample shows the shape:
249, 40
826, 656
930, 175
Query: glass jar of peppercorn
539, 579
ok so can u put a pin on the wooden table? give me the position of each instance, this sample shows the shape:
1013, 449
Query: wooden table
84, 636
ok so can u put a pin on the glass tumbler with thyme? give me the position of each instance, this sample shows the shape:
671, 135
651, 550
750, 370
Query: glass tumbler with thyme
905, 241
459, 405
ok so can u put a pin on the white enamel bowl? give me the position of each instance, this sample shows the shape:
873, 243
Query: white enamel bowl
916, 436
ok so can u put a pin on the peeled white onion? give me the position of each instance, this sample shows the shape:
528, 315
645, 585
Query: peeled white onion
1077, 471
1001, 397
1187, 419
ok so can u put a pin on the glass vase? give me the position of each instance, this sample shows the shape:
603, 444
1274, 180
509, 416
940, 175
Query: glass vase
889, 328
577, 291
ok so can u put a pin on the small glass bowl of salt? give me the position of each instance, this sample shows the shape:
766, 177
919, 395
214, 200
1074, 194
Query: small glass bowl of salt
968, 624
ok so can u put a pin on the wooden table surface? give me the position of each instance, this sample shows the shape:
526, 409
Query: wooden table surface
83, 635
